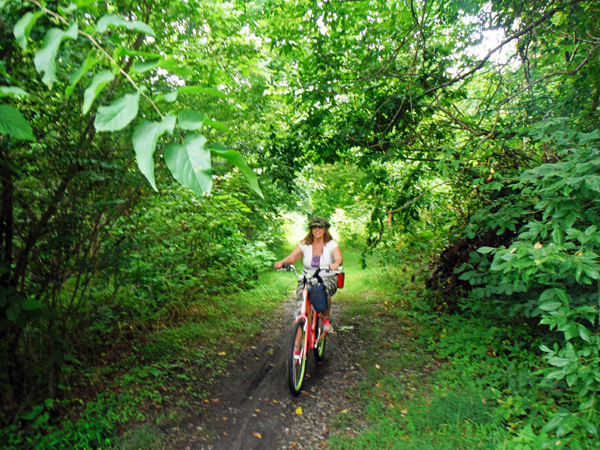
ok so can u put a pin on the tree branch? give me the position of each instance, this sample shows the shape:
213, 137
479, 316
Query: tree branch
546, 16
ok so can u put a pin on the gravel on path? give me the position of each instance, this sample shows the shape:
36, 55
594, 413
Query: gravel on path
251, 406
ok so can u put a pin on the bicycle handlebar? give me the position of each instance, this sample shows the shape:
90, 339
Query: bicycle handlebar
325, 269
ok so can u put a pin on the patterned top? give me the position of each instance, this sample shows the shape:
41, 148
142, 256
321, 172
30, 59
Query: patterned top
326, 258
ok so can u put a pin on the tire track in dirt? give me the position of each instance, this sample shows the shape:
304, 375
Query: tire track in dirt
250, 406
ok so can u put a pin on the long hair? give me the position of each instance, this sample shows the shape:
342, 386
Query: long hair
309, 238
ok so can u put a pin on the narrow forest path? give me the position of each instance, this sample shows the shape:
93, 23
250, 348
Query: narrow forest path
251, 406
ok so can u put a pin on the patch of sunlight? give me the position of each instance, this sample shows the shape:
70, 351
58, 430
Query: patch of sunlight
295, 228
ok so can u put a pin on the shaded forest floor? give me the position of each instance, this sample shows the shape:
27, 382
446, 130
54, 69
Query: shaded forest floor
372, 353
246, 403
251, 406
216, 379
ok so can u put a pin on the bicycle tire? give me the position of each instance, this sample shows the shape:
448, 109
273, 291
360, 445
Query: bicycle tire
320, 344
296, 367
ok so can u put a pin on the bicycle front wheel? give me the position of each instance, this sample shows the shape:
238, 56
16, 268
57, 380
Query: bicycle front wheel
297, 363
320, 344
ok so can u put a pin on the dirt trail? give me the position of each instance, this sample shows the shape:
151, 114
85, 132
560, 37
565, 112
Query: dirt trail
251, 406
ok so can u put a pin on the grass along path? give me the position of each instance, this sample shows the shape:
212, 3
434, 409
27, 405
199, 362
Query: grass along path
395, 394
409, 399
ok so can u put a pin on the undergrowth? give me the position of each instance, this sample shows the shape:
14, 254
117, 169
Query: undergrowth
152, 383
440, 381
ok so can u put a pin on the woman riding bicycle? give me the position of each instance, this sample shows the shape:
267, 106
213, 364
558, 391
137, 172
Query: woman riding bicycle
318, 250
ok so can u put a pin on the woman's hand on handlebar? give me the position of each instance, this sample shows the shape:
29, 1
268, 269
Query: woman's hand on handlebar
334, 266
278, 264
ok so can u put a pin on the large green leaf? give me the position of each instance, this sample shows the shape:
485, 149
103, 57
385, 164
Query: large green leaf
90, 61
68, 10
30, 304
201, 90
84, 3
13, 123
172, 96
145, 66
218, 125
176, 67
118, 115
145, 136
190, 120
190, 163
45, 58
111, 20
238, 161
11, 91
23, 27
98, 82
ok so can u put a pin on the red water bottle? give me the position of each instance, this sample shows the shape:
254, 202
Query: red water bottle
341, 280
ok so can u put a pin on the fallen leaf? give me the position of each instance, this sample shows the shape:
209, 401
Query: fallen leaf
257, 410
215, 399
258, 435
405, 438
294, 445
377, 366
344, 411
538, 245
275, 401
299, 410
404, 411
206, 401
221, 353
225, 418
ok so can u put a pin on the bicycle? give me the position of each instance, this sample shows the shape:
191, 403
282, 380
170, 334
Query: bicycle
307, 334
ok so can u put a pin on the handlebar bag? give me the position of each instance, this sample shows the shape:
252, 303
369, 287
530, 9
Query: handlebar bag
318, 297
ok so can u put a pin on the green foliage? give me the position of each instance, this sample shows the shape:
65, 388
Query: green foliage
119, 114
145, 137
550, 270
400, 402
110, 20
430, 141
122, 111
68, 197
190, 163
14, 124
